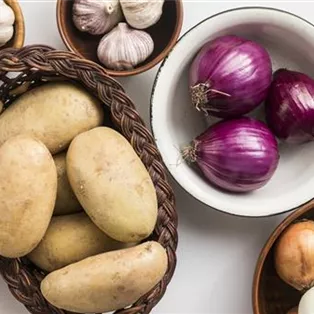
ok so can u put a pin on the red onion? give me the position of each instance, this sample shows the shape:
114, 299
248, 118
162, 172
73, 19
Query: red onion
230, 76
238, 155
290, 106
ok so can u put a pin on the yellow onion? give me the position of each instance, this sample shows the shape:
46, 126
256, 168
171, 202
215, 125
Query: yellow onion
294, 255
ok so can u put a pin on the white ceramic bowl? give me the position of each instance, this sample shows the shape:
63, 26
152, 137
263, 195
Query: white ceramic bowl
290, 41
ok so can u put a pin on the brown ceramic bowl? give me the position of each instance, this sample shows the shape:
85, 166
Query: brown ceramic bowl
17, 41
270, 294
164, 33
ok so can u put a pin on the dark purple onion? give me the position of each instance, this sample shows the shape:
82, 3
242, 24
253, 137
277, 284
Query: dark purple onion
239, 155
290, 106
230, 76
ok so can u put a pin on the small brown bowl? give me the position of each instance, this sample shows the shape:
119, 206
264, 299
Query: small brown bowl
164, 33
270, 294
17, 41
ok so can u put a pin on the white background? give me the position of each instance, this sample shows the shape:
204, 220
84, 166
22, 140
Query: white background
217, 252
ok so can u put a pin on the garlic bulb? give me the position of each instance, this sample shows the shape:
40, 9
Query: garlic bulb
7, 19
142, 13
96, 16
124, 48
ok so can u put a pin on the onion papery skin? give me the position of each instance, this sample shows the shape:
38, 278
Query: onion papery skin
290, 106
239, 155
230, 76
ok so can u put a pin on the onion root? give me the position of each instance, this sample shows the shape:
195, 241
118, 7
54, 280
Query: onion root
189, 153
201, 94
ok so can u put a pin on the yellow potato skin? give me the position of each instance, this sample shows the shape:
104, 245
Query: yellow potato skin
112, 184
69, 239
108, 281
54, 113
28, 186
66, 202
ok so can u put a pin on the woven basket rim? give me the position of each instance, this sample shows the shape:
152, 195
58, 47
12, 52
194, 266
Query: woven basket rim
35, 63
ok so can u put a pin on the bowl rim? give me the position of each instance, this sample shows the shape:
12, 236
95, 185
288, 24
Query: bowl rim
137, 70
301, 210
241, 8
19, 25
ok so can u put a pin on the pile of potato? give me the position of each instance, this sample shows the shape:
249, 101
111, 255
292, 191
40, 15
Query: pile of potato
77, 201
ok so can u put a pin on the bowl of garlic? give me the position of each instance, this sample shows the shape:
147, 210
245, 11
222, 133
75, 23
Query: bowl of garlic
12, 30
126, 37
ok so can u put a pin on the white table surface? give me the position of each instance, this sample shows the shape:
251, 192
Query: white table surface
217, 252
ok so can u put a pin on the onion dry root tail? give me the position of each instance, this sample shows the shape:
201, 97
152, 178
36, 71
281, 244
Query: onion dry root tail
201, 94
189, 153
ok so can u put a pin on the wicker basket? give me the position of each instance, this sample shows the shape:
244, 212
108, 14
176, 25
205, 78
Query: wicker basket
36, 65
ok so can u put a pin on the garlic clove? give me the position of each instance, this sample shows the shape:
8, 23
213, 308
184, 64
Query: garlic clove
6, 15
7, 19
124, 48
6, 33
96, 16
142, 14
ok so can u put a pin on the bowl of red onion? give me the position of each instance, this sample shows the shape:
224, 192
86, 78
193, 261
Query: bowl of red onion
232, 111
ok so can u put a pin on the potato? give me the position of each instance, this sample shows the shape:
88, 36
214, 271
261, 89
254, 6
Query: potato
108, 281
69, 239
112, 184
28, 187
66, 202
53, 113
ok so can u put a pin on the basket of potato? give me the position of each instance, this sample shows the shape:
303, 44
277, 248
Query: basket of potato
87, 217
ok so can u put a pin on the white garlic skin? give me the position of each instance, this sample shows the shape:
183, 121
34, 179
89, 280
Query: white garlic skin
306, 305
142, 14
124, 48
96, 17
7, 19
